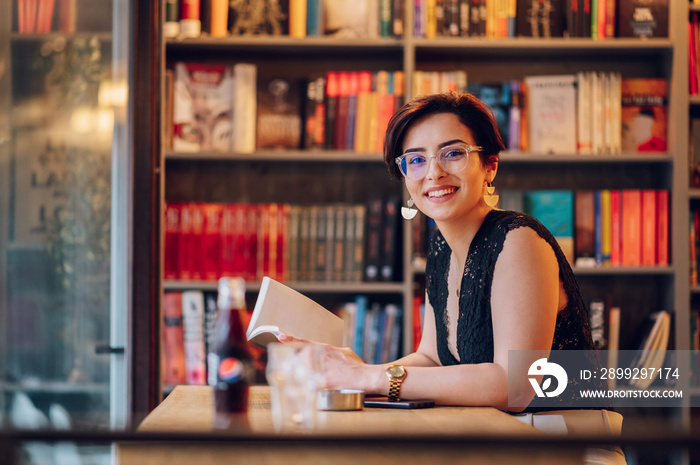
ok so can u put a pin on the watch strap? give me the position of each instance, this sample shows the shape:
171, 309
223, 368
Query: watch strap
394, 388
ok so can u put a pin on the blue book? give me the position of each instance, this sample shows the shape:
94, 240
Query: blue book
598, 230
313, 18
555, 210
361, 310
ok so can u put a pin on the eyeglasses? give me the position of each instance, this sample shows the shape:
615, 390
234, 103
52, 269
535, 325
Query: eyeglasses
452, 159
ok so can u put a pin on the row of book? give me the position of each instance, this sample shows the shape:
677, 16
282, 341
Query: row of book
188, 334
594, 113
371, 329
334, 242
44, 16
293, 18
497, 19
224, 108
652, 341
608, 227
584, 113
349, 110
492, 19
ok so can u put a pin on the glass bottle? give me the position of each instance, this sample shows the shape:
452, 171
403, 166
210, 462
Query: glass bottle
230, 364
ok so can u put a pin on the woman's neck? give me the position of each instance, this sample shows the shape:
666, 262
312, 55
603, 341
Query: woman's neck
459, 233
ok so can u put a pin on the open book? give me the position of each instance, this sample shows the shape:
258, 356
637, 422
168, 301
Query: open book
281, 309
652, 352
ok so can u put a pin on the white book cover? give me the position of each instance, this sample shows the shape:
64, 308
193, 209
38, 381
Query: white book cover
616, 91
193, 331
552, 113
583, 111
281, 309
202, 107
245, 104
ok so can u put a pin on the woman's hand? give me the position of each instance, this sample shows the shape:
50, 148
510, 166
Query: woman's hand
341, 368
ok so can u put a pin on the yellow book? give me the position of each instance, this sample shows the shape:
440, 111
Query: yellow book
430, 19
297, 18
362, 118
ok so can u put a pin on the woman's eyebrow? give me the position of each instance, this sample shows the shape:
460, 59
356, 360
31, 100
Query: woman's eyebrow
441, 145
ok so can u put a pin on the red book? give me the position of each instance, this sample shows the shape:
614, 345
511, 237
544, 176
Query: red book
172, 237
190, 24
228, 240
251, 240
263, 250
196, 244
173, 353
67, 15
211, 252
615, 228
631, 227
649, 233
692, 64
644, 114
331, 102
610, 17
45, 16
281, 263
662, 227
341, 111
417, 321
185, 242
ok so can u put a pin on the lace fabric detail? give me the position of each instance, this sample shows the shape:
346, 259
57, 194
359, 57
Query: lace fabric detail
474, 325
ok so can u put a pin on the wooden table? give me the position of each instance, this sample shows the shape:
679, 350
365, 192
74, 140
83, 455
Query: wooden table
387, 436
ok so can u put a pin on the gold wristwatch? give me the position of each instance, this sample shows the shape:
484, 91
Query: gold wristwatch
396, 374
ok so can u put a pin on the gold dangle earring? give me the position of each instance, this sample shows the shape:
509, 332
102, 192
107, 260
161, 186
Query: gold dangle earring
409, 213
490, 198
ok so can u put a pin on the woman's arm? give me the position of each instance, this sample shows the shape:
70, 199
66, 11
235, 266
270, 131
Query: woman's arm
524, 298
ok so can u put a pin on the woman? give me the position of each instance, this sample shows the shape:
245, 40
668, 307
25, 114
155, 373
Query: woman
496, 281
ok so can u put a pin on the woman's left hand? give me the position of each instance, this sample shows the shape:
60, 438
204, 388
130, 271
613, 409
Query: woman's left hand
341, 367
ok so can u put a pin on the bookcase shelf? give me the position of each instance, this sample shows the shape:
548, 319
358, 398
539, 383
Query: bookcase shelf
301, 286
626, 158
610, 271
543, 47
279, 155
352, 157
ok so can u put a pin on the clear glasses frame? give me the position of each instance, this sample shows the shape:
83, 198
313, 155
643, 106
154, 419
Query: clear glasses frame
452, 158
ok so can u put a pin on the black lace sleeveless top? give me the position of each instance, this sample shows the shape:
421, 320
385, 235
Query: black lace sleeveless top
474, 326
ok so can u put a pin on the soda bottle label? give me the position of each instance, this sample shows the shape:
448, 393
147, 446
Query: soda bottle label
231, 369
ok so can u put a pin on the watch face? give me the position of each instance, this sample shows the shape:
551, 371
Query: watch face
396, 371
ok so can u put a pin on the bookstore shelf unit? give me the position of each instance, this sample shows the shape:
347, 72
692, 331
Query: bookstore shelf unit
640, 290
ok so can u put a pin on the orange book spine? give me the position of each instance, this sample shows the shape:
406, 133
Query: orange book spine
219, 18
631, 227
662, 221
649, 221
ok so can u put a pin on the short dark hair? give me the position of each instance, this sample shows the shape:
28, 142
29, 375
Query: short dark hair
472, 112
